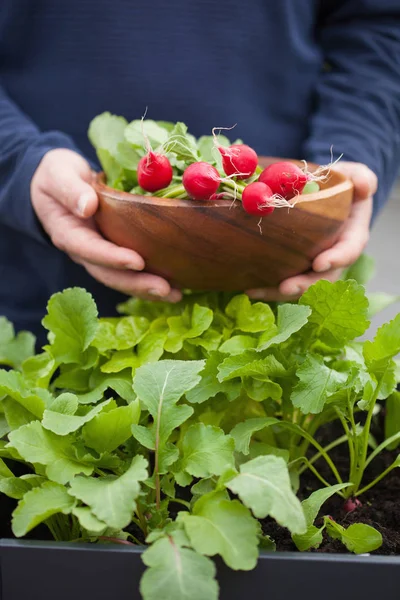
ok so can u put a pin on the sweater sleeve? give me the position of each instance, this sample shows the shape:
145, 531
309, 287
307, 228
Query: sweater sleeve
22, 147
357, 109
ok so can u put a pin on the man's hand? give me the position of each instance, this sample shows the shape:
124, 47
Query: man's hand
350, 245
65, 203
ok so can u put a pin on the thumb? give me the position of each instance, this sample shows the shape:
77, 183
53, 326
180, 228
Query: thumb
365, 181
67, 177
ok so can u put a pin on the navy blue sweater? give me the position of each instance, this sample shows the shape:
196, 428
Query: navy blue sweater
296, 75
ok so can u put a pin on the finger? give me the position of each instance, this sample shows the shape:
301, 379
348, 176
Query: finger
134, 284
352, 241
268, 295
81, 240
67, 178
364, 180
295, 286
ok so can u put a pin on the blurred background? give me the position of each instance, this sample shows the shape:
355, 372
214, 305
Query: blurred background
384, 247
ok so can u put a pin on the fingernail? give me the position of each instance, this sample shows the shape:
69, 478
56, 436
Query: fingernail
139, 266
325, 267
158, 293
82, 204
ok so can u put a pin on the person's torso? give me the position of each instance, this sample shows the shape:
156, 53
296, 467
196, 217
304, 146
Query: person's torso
202, 62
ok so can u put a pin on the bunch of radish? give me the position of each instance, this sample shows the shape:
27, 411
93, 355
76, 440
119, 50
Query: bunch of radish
239, 177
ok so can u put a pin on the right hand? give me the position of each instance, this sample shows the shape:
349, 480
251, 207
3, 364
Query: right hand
65, 202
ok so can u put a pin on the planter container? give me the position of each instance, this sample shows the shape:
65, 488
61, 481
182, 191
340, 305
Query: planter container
32, 570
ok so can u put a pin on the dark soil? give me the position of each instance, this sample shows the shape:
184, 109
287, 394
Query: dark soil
380, 505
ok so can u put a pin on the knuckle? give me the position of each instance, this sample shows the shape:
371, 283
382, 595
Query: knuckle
59, 240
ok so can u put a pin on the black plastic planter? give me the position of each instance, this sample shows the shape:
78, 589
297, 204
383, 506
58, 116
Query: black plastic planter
47, 570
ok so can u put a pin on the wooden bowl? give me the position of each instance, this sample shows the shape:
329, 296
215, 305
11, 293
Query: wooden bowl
216, 245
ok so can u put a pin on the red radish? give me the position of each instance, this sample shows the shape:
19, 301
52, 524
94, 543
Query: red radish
351, 504
255, 198
239, 159
154, 172
284, 178
201, 180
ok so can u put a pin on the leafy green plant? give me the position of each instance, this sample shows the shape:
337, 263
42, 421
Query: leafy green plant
181, 426
120, 146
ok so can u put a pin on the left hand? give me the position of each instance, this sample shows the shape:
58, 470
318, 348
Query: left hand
350, 245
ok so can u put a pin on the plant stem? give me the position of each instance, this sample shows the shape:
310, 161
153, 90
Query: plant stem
115, 540
327, 448
183, 502
171, 192
318, 446
381, 447
308, 465
361, 443
142, 519
377, 479
348, 436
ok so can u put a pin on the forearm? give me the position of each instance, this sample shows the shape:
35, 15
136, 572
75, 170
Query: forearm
22, 147
357, 104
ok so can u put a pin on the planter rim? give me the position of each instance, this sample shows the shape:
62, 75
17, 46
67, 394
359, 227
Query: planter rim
264, 555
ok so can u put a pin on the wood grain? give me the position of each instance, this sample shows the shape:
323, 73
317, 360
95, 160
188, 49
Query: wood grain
216, 245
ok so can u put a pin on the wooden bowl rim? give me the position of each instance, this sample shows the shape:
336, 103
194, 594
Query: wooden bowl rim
345, 185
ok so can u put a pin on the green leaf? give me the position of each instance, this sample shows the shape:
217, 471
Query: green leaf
120, 334
260, 390
358, 538
38, 370
155, 134
238, 344
385, 345
339, 311
106, 131
182, 144
392, 418
291, 318
110, 429
63, 424
14, 349
210, 386
88, 521
312, 504
225, 527
249, 364
379, 302
121, 360
159, 387
177, 573
317, 383
243, 432
65, 404
264, 486
362, 270
33, 400
191, 324
112, 499
248, 317
39, 504
15, 414
16, 487
4, 470
379, 355
206, 451
312, 538
207, 148
72, 322
37, 445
